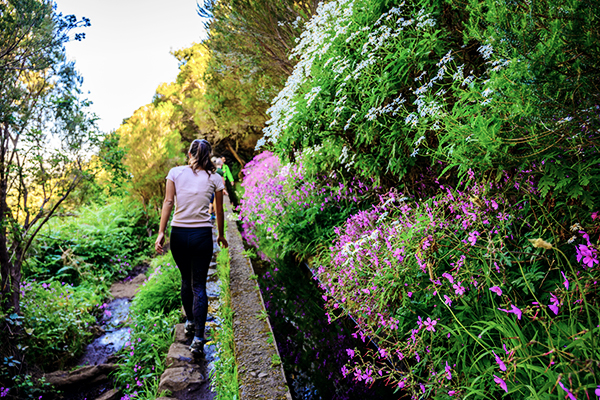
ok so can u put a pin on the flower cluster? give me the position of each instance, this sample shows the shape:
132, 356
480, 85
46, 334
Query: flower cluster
279, 197
421, 278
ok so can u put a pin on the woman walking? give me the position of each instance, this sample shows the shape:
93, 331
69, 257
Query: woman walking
193, 186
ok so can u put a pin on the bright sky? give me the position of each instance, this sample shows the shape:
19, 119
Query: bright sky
125, 54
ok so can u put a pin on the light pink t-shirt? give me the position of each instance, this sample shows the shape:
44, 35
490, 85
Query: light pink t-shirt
192, 196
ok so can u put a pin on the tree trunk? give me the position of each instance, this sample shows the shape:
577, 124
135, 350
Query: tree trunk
237, 157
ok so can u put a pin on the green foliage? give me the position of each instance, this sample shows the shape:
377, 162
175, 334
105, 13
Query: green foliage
151, 330
56, 320
161, 291
224, 376
152, 144
485, 86
97, 243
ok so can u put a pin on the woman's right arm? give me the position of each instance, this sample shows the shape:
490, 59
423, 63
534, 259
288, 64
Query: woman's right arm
164, 217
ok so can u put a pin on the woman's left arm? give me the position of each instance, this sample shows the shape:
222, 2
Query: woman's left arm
220, 218
164, 217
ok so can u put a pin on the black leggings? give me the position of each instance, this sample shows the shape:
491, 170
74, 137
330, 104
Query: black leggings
192, 250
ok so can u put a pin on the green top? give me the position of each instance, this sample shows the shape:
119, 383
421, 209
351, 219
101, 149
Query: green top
227, 173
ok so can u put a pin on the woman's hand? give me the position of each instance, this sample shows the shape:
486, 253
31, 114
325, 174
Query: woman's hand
222, 242
160, 241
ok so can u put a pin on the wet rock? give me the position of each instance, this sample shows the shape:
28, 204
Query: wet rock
113, 394
180, 378
85, 375
179, 355
180, 333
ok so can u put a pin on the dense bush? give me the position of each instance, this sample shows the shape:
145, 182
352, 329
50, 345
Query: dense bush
97, 243
161, 291
56, 320
383, 87
285, 211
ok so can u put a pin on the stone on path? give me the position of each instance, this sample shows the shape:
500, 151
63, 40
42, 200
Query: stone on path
180, 378
179, 355
180, 334
112, 394
81, 376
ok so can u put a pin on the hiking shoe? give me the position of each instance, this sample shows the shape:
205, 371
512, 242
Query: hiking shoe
189, 328
197, 348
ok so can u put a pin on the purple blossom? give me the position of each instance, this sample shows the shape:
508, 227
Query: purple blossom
566, 282
459, 289
569, 394
501, 382
473, 237
448, 371
448, 276
350, 353
587, 254
430, 324
496, 290
514, 310
447, 300
500, 362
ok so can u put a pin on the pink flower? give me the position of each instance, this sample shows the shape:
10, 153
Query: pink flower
596, 214
500, 362
516, 311
566, 282
587, 254
473, 237
496, 290
458, 289
569, 394
409, 294
430, 324
447, 300
448, 373
554, 308
501, 382
451, 393
448, 276
350, 353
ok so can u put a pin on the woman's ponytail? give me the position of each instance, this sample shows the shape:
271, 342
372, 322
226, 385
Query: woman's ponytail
199, 152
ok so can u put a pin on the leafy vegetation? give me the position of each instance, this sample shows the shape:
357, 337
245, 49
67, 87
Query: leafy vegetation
155, 311
224, 376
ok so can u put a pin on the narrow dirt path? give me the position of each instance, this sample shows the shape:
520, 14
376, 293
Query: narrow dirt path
261, 374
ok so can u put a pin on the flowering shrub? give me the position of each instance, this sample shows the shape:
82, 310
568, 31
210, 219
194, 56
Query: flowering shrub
57, 317
284, 210
463, 298
96, 244
383, 87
